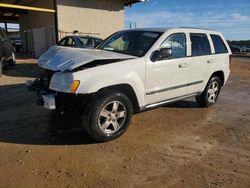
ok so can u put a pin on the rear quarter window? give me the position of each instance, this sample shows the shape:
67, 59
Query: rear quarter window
219, 45
200, 44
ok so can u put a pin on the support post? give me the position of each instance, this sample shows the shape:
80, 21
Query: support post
56, 20
5, 26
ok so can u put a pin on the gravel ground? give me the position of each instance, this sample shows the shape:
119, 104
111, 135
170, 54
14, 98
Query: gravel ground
178, 145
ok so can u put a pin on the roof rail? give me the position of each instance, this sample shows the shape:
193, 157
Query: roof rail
195, 28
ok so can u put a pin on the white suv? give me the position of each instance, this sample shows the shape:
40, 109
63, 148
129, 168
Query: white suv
132, 71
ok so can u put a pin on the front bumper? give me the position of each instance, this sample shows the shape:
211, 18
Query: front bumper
54, 100
49, 101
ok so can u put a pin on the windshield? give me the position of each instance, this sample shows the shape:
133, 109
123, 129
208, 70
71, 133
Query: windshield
135, 43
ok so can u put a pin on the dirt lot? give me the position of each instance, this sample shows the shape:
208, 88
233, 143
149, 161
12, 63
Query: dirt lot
179, 145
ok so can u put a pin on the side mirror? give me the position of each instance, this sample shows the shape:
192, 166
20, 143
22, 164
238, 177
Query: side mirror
161, 54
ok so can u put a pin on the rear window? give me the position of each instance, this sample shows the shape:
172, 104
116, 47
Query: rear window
200, 44
219, 45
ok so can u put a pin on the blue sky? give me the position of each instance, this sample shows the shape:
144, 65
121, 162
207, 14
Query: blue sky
231, 17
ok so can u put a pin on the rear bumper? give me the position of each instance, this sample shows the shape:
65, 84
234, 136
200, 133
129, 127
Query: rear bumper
227, 74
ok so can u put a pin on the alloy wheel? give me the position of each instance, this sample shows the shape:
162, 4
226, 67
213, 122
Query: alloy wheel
213, 92
112, 117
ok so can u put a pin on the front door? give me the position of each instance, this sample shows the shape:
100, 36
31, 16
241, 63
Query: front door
168, 78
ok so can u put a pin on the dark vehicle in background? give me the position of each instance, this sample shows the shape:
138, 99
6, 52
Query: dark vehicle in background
16, 44
235, 49
79, 41
246, 49
7, 55
239, 49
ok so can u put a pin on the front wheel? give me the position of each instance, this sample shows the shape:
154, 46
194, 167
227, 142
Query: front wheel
210, 95
109, 117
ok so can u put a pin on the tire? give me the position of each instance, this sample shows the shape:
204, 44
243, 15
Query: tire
109, 116
210, 95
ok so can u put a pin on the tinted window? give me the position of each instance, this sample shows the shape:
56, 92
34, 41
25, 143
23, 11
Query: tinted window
70, 42
86, 41
219, 45
67, 41
63, 41
90, 43
177, 42
97, 42
200, 44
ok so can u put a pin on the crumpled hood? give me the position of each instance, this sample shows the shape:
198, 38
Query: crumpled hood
59, 58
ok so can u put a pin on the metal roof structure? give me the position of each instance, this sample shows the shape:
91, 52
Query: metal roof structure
130, 2
10, 9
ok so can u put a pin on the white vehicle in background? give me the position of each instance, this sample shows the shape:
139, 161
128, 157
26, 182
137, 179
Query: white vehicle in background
132, 71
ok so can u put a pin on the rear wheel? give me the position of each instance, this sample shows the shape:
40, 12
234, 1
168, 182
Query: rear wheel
109, 117
210, 95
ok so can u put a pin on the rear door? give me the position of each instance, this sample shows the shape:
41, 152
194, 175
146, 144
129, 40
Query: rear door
200, 62
221, 55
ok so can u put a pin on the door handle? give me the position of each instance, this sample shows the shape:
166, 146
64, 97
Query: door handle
183, 65
210, 61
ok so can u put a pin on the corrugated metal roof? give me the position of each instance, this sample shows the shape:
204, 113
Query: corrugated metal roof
130, 2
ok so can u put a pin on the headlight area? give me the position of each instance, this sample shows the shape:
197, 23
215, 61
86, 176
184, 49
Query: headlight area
64, 82
61, 94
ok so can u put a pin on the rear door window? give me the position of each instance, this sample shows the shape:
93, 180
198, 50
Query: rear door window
200, 44
219, 45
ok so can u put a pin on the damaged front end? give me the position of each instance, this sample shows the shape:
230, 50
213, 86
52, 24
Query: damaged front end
51, 99
56, 88
41, 87
55, 100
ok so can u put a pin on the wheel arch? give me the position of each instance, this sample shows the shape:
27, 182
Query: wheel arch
127, 90
219, 74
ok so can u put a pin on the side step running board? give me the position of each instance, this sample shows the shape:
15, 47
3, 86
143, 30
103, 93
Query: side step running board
168, 101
